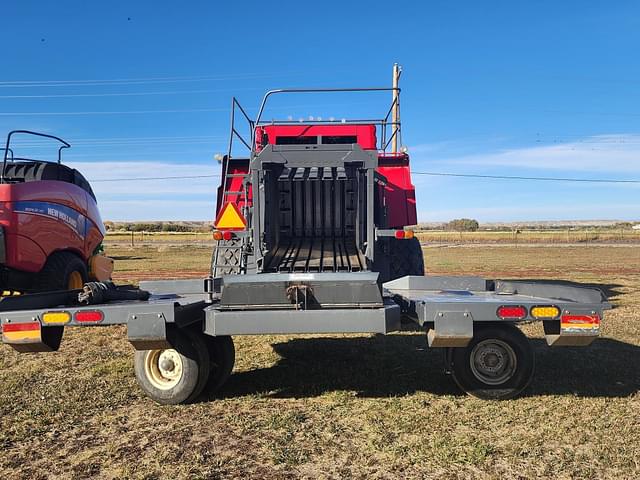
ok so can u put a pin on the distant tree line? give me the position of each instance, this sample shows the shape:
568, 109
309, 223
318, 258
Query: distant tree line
154, 227
463, 225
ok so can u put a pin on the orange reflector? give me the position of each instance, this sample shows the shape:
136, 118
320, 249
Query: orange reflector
408, 234
217, 235
89, 316
21, 332
549, 312
230, 218
57, 318
512, 312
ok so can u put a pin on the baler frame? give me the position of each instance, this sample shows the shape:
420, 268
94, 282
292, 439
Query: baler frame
233, 257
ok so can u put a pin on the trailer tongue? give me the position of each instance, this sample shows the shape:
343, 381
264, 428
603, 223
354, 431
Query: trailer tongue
312, 238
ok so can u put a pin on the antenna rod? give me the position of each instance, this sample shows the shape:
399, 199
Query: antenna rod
395, 113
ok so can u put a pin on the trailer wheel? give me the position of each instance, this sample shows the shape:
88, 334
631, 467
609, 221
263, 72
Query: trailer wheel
174, 375
498, 363
63, 271
222, 355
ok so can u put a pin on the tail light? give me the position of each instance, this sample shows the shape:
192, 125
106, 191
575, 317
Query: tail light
217, 235
404, 234
545, 312
512, 312
56, 318
88, 316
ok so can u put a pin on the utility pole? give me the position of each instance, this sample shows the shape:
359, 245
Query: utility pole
395, 112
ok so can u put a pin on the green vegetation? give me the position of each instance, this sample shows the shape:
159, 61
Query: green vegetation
156, 227
463, 225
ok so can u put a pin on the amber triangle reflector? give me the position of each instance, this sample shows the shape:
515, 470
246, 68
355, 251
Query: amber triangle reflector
230, 218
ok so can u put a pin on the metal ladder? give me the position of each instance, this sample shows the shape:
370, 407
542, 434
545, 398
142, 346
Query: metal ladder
230, 256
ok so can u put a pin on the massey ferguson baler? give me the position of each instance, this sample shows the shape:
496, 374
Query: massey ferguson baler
330, 199
311, 238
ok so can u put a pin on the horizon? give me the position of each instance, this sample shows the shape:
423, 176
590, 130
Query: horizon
592, 222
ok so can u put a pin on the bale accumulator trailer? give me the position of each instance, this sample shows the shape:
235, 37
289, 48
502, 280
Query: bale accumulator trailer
311, 238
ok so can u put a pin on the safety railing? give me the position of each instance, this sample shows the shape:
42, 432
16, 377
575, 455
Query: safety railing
8, 150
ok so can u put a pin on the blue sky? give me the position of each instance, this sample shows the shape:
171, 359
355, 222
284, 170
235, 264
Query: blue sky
143, 89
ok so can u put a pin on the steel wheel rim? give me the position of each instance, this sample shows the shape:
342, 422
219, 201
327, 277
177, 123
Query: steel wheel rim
75, 280
493, 361
163, 368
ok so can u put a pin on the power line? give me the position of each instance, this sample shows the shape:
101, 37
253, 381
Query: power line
438, 174
135, 81
133, 143
182, 177
121, 112
108, 80
127, 94
517, 177
23, 140
189, 110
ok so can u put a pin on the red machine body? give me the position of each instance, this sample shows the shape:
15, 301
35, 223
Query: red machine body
50, 227
397, 193
41, 217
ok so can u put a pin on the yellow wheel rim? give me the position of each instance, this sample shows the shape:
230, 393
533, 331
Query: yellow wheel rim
163, 368
75, 281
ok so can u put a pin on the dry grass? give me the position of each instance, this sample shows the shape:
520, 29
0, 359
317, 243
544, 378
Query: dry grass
568, 236
344, 406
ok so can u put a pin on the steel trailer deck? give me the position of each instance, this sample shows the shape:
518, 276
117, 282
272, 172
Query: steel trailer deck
447, 307
472, 318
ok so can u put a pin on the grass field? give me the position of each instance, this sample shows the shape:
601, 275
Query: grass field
342, 406
566, 236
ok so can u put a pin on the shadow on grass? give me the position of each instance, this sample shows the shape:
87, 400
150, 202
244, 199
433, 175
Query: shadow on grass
393, 365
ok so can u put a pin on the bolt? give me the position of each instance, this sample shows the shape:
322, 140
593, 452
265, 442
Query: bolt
133, 317
159, 315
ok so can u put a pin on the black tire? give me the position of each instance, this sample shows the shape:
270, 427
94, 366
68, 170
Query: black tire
222, 355
498, 363
189, 354
58, 272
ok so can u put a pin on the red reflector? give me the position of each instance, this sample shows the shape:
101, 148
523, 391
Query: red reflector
399, 234
20, 327
88, 316
227, 235
512, 312
578, 320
